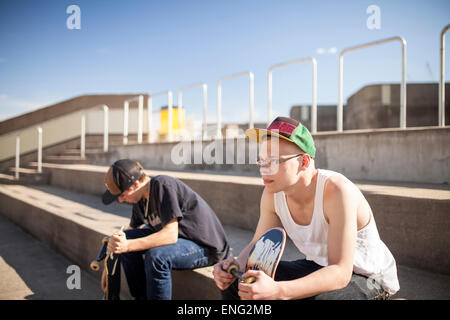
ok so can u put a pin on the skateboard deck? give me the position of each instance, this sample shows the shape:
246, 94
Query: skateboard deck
112, 268
265, 255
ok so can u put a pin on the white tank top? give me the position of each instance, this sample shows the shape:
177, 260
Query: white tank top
372, 258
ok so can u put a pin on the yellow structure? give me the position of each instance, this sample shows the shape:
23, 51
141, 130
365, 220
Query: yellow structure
177, 126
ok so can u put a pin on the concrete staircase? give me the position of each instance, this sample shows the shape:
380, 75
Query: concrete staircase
61, 206
412, 220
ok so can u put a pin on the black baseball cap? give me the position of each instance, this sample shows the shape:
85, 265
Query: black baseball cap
121, 176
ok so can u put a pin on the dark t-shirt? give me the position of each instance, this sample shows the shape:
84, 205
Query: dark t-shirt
170, 198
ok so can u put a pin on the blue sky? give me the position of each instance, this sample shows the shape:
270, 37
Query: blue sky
150, 46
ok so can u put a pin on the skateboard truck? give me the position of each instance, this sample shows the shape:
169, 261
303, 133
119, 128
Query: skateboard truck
234, 270
95, 265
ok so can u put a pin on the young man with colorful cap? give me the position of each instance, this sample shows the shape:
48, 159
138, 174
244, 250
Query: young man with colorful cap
171, 227
327, 218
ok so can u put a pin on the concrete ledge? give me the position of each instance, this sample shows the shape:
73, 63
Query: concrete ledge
412, 219
75, 230
419, 154
72, 229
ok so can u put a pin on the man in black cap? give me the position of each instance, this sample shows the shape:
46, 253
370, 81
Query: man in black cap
171, 227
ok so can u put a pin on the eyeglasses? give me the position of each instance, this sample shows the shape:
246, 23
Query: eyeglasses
270, 161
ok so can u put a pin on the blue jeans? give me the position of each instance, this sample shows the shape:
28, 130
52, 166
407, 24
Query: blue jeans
357, 289
148, 272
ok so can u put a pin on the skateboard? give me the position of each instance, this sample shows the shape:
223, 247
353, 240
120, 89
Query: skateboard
112, 267
265, 255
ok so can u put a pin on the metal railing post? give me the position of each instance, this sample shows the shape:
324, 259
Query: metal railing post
83, 136
219, 99
219, 109
39, 157
169, 118
149, 118
314, 90
340, 106
205, 102
442, 79
340, 109
126, 112
140, 118
180, 104
251, 84
17, 156
125, 122
105, 109
105, 128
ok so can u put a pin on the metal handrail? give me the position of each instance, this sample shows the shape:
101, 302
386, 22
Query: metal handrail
83, 136
314, 90
39, 157
126, 106
180, 104
442, 79
82, 139
340, 109
251, 99
169, 106
105, 129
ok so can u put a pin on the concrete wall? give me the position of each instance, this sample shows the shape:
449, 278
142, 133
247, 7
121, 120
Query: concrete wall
53, 131
326, 116
237, 156
378, 106
413, 155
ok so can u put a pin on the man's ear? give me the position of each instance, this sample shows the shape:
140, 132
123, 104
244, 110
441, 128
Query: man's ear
306, 160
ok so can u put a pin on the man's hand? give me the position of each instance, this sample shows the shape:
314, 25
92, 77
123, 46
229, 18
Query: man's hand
222, 278
118, 243
264, 288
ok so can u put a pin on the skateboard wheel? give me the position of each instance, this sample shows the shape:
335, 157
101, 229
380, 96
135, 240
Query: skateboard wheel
95, 265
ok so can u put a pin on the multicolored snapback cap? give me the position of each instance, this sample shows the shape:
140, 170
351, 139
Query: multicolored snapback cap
288, 129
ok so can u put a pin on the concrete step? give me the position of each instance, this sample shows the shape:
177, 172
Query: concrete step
74, 223
76, 152
7, 179
30, 270
66, 159
26, 176
72, 227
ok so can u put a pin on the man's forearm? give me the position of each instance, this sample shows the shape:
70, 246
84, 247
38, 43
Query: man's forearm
326, 279
154, 240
